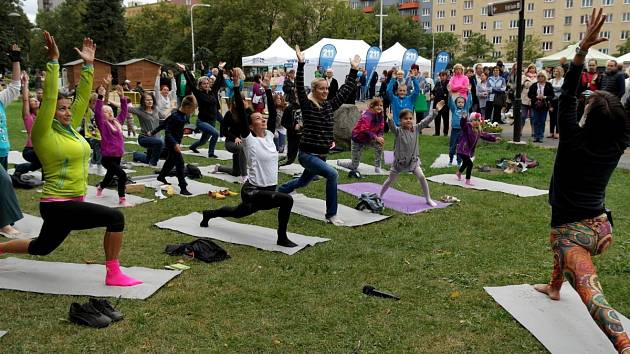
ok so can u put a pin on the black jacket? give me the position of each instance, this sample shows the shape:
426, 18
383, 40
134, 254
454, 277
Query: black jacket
547, 91
206, 101
333, 88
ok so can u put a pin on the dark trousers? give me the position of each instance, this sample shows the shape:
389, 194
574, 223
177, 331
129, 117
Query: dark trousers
467, 165
553, 118
442, 117
10, 210
33, 162
239, 161
293, 142
174, 159
112, 165
493, 112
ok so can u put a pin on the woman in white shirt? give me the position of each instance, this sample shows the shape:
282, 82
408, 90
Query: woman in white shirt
556, 83
259, 191
165, 96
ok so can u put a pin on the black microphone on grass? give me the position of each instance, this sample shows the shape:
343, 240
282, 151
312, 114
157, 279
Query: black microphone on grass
371, 291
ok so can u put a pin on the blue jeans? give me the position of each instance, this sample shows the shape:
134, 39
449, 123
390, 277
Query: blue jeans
538, 120
452, 145
279, 141
95, 144
208, 131
314, 165
154, 146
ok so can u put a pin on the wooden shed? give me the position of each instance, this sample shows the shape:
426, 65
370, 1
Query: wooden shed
134, 70
101, 70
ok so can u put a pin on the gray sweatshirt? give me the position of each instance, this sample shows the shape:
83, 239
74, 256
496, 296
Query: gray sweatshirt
148, 121
406, 151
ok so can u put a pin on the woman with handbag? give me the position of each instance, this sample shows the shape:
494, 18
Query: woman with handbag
496, 100
541, 94
556, 83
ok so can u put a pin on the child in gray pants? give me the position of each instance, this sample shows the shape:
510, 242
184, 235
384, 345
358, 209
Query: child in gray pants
367, 132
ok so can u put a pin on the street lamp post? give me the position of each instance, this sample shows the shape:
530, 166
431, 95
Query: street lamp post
380, 36
192, 32
15, 17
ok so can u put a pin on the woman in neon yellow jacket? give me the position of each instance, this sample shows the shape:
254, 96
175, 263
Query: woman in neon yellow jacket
64, 155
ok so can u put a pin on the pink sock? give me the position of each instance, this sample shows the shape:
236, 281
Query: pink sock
115, 277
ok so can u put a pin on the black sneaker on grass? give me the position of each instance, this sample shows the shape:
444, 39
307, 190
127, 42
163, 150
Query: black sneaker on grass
87, 315
103, 306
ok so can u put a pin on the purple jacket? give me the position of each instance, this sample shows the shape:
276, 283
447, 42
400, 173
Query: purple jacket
112, 141
368, 127
468, 139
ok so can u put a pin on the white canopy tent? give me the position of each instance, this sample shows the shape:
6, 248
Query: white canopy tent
569, 52
624, 59
278, 53
346, 49
392, 57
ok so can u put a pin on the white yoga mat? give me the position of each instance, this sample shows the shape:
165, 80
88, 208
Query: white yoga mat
442, 161
77, 279
221, 154
110, 197
487, 185
207, 171
131, 142
30, 225
316, 209
364, 169
160, 163
563, 326
15, 157
101, 171
2, 333
291, 169
194, 187
241, 234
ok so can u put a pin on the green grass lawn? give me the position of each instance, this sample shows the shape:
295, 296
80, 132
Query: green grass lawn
438, 262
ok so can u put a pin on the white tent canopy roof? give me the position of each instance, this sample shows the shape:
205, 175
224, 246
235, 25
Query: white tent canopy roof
346, 49
569, 52
278, 53
392, 57
624, 58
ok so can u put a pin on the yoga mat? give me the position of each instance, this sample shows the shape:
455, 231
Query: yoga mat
563, 326
194, 187
364, 169
160, 163
2, 333
110, 198
241, 234
222, 154
15, 157
33, 176
77, 279
131, 142
487, 185
101, 171
394, 199
30, 225
316, 209
291, 169
207, 171
442, 161
388, 157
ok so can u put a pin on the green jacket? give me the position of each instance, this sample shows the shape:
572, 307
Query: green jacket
63, 152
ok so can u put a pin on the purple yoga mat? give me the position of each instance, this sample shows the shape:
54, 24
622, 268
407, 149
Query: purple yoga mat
389, 157
394, 199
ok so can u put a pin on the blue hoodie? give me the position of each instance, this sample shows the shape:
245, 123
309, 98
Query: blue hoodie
456, 113
398, 104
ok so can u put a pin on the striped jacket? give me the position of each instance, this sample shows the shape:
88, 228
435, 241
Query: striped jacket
317, 133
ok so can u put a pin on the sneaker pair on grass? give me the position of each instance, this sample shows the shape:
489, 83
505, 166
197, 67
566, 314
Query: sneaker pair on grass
97, 313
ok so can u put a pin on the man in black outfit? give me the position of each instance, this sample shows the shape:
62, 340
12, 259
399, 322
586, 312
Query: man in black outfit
440, 93
613, 80
288, 87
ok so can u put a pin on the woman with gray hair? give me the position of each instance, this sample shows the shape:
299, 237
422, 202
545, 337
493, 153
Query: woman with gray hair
541, 94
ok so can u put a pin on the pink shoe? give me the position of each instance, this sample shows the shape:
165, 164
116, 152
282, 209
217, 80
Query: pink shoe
115, 277
468, 183
459, 175
122, 201
99, 191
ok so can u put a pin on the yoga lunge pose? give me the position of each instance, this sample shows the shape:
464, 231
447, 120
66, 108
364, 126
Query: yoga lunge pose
259, 192
580, 225
112, 145
367, 132
406, 150
206, 93
459, 108
30, 106
150, 118
471, 132
64, 154
174, 127
317, 136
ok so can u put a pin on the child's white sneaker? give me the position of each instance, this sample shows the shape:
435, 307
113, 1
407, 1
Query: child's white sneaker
335, 220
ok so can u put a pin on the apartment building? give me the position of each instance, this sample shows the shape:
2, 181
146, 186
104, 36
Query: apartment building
558, 23
48, 5
419, 10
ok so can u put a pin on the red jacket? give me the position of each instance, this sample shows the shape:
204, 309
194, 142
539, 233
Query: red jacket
368, 127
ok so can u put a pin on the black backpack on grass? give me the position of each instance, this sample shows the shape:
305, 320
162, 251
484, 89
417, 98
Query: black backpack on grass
201, 249
190, 171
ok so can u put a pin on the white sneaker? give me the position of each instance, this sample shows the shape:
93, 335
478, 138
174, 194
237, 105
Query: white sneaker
335, 220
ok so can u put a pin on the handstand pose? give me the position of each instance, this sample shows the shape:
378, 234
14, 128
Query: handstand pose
64, 154
580, 225
259, 191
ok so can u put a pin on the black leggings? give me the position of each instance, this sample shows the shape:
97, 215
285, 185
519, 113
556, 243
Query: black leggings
239, 162
254, 199
62, 217
553, 117
467, 165
293, 142
442, 117
176, 159
493, 112
112, 164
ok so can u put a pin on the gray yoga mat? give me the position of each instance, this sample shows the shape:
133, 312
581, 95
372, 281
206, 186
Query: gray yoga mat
15, 157
110, 198
2, 333
160, 163
442, 161
30, 225
563, 326
194, 187
291, 169
77, 279
364, 169
487, 185
207, 171
221, 154
241, 234
316, 209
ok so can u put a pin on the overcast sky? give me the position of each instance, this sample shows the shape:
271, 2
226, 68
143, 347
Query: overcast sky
30, 7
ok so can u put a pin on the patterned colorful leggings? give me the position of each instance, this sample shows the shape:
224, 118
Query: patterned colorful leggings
573, 245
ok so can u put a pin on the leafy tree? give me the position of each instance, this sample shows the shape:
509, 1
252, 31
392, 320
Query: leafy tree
8, 35
105, 24
531, 49
477, 48
66, 24
403, 29
624, 48
343, 22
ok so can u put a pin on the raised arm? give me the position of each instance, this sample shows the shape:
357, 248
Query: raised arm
12, 91
46, 113
469, 102
218, 82
26, 107
348, 87
124, 110
156, 87
240, 108
82, 95
271, 105
299, 78
416, 89
98, 112
190, 81
390, 89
